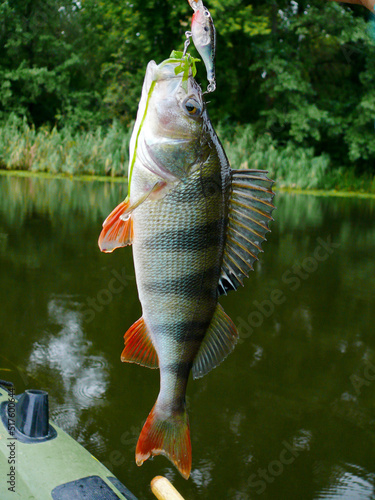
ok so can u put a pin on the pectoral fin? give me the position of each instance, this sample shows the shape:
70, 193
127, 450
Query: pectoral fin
250, 212
117, 228
218, 342
116, 231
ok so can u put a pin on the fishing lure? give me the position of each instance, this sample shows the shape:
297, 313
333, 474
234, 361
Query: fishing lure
203, 34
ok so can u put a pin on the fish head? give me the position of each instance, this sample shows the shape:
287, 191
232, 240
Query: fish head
176, 106
174, 117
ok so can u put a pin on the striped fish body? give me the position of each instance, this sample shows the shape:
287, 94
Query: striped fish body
178, 248
196, 227
178, 244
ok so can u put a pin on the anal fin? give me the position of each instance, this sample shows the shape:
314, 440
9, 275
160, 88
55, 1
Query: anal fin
139, 347
219, 341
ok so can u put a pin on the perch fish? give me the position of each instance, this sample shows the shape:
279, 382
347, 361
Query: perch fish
196, 228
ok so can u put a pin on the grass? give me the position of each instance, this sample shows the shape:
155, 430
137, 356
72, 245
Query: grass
104, 153
50, 175
291, 166
98, 152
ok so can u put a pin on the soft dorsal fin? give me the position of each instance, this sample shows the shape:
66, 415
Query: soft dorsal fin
250, 210
117, 230
139, 347
219, 341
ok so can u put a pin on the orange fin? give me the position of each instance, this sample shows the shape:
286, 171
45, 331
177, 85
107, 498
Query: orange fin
116, 232
166, 436
139, 347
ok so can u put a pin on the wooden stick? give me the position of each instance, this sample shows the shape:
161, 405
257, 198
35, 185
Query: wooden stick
164, 490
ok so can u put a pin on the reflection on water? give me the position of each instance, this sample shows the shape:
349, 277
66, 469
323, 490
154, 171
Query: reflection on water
349, 482
57, 198
289, 415
80, 379
201, 476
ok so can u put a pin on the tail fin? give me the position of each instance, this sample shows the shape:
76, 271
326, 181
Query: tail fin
166, 436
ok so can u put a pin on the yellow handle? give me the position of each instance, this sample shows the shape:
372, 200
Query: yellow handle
164, 490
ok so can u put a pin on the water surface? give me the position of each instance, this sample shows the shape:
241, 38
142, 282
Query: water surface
289, 415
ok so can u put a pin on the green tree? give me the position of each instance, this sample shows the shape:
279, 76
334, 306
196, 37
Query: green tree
314, 73
41, 71
301, 72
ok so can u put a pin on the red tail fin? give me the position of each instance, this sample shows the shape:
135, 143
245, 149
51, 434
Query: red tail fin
166, 436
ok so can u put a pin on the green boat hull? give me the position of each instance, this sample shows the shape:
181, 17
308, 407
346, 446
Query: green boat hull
55, 467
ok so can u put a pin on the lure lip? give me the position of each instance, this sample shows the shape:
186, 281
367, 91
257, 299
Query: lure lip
195, 4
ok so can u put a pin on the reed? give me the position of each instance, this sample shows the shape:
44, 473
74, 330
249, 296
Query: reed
99, 152
289, 165
105, 151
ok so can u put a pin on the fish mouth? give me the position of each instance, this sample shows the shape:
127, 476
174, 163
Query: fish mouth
150, 75
157, 72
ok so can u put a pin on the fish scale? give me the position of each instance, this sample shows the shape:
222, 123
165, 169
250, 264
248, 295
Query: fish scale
196, 227
183, 273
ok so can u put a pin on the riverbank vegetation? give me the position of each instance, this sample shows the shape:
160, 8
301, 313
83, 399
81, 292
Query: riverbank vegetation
295, 89
104, 151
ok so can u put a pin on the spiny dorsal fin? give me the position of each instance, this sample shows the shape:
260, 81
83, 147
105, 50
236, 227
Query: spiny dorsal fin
250, 212
139, 347
219, 341
116, 231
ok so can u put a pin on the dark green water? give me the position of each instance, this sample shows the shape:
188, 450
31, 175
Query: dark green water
289, 415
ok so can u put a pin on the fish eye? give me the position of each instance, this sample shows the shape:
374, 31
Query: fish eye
192, 107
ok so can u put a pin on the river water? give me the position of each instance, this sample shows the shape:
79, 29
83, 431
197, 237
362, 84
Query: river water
289, 415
